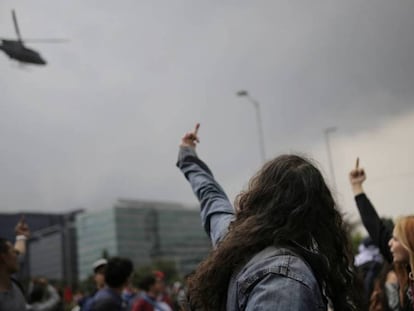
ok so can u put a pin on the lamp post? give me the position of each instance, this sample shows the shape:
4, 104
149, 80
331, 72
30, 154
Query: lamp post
327, 131
256, 105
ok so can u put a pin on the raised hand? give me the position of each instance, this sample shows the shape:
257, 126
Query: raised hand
22, 228
357, 177
191, 139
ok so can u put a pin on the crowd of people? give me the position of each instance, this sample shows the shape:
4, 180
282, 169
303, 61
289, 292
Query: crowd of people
112, 278
283, 245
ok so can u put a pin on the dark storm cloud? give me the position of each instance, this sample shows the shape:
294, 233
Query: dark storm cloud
104, 118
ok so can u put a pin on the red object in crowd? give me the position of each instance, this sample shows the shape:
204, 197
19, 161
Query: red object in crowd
159, 275
67, 295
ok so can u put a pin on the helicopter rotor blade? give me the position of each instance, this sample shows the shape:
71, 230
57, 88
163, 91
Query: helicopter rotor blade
16, 26
50, 40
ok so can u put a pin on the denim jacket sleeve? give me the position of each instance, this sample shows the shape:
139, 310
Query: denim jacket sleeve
216, 210
278, 293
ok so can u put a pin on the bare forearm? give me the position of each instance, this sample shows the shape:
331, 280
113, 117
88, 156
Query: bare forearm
357, 189
20, 245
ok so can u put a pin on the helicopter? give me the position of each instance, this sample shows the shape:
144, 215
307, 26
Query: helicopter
17, 50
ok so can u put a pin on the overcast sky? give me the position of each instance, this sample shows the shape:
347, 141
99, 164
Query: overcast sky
103, 119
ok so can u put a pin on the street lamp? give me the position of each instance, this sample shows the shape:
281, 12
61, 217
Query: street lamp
327, 131
256, 105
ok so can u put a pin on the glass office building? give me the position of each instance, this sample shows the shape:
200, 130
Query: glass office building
143, 231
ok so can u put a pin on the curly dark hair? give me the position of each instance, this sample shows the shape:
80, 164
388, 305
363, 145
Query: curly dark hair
286, 202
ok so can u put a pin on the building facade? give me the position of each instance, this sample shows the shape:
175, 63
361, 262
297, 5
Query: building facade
144, 232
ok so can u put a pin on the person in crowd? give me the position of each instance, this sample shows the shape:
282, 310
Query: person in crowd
384, 296
67, 294
283, 247
178, 295
78, 300
117, 276
402, 249
182, 303
11, 292
42, 296
98, 268
368, 263
153, 288
129, 295
164, 295
396, 244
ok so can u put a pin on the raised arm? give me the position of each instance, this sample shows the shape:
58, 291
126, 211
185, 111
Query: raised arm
50, 303
22, 234
216, 210
379, 233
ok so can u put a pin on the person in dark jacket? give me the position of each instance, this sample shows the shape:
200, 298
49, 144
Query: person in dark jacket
368, 263
385, 238
284, 247
98, 267
117, 275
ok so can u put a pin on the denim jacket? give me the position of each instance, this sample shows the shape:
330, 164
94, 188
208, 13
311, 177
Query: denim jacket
275, 278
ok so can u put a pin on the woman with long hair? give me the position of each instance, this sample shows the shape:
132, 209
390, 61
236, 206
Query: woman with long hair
384, 296
402, 248
283, 247
396, 244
